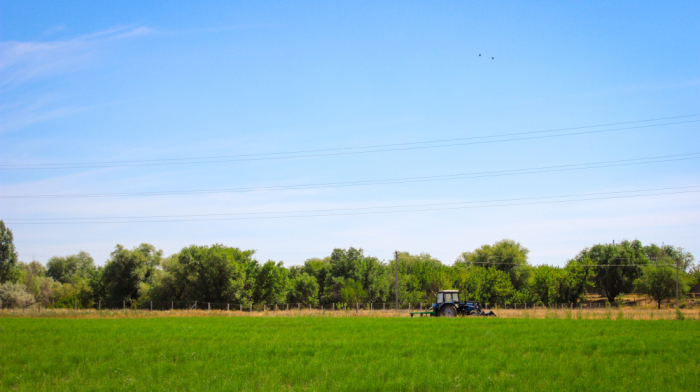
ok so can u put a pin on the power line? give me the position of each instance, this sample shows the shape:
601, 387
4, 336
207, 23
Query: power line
340, 151
584, 265
497, 173
322, 212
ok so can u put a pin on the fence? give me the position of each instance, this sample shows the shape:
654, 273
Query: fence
375, 306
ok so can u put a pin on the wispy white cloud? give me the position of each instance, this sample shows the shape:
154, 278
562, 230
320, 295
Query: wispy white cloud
55, 29
24, 61
20, 115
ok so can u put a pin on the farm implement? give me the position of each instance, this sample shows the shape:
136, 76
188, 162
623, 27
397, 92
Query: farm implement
449, 305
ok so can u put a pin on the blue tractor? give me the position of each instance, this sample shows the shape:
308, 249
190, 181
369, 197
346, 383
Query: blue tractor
449, 305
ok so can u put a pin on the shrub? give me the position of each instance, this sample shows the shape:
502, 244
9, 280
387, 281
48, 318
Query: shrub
679, 315
14, 295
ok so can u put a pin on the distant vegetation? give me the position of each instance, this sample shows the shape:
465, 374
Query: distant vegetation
498, 273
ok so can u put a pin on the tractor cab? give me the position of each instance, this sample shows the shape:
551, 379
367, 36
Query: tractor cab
447, 304
451, 296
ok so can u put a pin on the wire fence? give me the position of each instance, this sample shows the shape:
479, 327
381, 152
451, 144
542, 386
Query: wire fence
333, 307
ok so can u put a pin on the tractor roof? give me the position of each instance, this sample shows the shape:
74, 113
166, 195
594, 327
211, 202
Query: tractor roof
448, 291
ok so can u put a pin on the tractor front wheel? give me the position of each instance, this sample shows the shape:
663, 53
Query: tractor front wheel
448, 311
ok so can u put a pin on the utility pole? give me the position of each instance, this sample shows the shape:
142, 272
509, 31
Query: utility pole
396, 260
678, 262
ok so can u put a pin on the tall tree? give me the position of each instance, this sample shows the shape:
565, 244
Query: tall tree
319, 269
69, 268
484, 284
672, 254
505, 255
128, 270
303, 289
8, 255
272, 283
421, 277
545, 283
659, 282
616, 265
214, 273
349, 265
577, 279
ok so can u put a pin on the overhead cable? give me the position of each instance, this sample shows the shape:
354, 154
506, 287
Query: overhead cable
344, 150
388, 181
363, 210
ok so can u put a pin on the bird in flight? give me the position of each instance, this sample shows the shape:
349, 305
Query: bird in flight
491, 58
479, 54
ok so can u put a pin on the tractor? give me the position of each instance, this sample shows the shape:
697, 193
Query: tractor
449, 305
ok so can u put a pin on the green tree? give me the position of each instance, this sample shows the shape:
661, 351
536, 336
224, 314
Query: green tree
272, 283
352, 264
484, 284
546, 281
127, 270
214, 273
319, 269
504, 255
577, 279
497, 286
71, 268
304, 289
674, 255
659, 282
554, 285
469, 280
616, 266
352, 292
421, 277
8, 255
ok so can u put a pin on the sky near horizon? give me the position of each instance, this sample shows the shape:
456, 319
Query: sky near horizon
294, 128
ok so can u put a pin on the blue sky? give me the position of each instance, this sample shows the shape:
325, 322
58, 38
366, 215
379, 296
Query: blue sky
133, 81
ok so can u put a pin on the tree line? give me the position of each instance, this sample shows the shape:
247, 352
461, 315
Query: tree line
498, 273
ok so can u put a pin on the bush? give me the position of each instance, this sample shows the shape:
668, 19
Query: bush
679, 315
14, 295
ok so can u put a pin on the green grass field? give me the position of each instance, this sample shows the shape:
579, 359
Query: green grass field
358, 354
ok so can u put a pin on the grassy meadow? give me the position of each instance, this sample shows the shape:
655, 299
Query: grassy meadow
347, 353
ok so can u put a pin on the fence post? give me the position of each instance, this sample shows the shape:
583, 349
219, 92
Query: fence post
76, 304
332, 306
124, 305
383, 305
228, 306
151, 306
263, 307
100, 305
172, 305
298, 306
251, 308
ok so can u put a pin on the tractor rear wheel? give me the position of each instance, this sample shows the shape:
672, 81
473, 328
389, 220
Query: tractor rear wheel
448, 311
